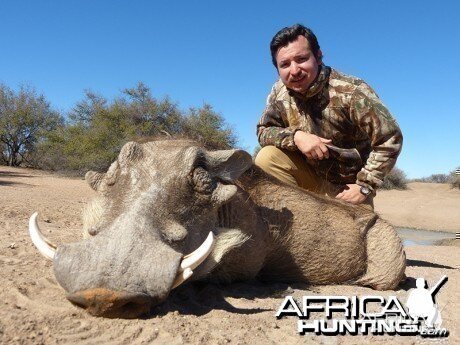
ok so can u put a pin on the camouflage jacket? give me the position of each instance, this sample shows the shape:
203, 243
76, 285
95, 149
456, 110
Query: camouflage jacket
342, 108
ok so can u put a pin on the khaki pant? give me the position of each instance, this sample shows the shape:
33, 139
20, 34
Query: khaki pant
292, 168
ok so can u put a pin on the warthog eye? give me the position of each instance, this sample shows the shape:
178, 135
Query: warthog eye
203, 182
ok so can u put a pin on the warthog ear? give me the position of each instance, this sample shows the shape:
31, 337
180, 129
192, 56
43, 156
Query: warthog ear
228, 165
130, 152
94, 179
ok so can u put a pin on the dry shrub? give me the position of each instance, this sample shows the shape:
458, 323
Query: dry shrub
434, 178
396, 179
455, 178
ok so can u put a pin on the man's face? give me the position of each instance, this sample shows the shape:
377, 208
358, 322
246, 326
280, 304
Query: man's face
297, 65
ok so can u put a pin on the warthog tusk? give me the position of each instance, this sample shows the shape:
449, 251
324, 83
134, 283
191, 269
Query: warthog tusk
195, 258
44, 246
182, 277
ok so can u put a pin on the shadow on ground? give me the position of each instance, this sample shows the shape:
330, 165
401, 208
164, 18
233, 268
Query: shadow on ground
421, 263
11, 184
9, 174
200, 298
14, 174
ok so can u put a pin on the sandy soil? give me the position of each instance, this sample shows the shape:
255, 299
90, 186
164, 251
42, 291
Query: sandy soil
34, 309
429, 206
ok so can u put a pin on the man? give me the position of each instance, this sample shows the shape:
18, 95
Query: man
323, 130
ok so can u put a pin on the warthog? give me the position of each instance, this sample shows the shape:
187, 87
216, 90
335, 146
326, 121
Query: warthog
162, 199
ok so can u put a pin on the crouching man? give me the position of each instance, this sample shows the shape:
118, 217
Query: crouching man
323, 130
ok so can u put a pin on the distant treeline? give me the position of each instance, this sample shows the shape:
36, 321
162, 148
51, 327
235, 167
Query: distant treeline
90, 136
397, 179
453, 178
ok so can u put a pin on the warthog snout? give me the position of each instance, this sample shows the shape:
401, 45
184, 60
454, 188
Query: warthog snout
116, 275
112, 304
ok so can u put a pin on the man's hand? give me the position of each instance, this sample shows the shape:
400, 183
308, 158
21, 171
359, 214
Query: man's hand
352, 194
311, 145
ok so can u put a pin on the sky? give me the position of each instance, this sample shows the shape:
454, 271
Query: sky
216, 52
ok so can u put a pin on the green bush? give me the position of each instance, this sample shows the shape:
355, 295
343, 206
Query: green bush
90, 137
209, 127
97, 129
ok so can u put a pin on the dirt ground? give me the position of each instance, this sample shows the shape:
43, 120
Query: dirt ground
33, 308
429, 206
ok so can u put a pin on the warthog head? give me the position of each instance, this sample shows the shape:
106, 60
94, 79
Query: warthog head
156, 203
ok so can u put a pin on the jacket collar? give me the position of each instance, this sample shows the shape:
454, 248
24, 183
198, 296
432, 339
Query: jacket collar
317, 85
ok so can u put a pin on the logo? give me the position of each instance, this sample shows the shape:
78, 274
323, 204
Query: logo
351, 315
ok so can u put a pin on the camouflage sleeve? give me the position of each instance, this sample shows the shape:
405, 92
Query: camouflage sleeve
273, 128
370, 114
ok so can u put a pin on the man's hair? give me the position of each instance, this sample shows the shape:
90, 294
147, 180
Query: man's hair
290, 34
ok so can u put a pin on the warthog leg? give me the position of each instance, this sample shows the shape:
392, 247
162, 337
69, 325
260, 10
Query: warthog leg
386, 260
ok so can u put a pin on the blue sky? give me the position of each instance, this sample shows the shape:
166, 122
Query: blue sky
217, 52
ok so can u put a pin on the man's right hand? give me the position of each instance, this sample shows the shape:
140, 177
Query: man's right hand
311, 145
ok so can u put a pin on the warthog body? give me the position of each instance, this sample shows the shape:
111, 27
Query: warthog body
160, 200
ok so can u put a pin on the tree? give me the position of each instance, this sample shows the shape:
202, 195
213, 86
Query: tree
206, 125
86, 109
148, 115
92, 138
25, 117
98, 128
